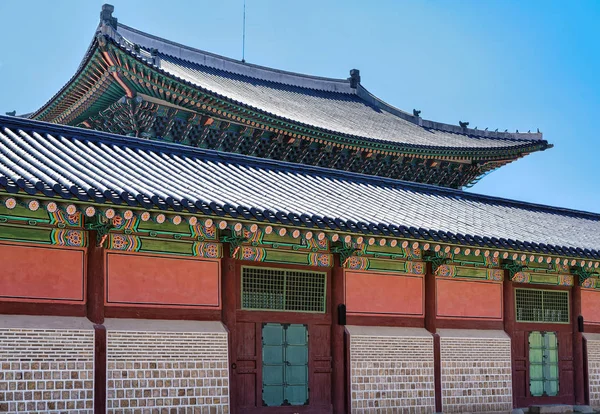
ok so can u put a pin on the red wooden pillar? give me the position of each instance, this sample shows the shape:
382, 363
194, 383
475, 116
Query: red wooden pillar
430, 325
95, 313
338, 378
99, 369
508, 296
578, 356
228, 308
95, 280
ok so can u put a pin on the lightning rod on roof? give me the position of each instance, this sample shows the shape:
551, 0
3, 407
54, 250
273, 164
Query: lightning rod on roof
244, 35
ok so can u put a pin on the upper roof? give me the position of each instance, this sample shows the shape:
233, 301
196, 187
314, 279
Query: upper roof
333, 105
67, 162
337, 107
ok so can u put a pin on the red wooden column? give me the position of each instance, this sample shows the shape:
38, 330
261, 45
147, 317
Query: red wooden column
578, 356
430, 325
95, 280
95, 313
508, 295
229, 296
338, 377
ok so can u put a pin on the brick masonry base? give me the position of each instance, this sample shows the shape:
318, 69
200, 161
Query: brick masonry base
157, 370
593, 357
476, 371
391, 370
46, 370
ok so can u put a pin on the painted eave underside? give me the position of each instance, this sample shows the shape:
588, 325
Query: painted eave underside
38, 158
322, 105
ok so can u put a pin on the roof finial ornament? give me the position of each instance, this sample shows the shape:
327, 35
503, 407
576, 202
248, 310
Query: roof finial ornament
106, 16
463, 124
354, 78
416, 113
12, 113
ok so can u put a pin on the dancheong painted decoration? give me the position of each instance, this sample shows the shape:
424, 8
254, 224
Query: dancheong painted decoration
180, 231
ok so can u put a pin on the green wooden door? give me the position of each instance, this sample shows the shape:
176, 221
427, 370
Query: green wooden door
543, 364
285, 364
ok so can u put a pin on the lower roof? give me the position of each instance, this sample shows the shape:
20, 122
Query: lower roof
74, 163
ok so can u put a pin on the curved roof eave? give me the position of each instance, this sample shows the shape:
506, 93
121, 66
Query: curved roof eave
531, 141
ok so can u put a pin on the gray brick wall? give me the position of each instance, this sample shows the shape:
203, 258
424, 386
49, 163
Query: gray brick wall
391, 373
476, 373
46, 370
593, 350
167, 370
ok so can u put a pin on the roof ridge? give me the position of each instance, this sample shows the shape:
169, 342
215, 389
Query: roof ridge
415, 118
95, 135
213, 60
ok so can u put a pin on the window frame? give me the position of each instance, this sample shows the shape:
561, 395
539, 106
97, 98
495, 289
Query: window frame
566, 293
285, 270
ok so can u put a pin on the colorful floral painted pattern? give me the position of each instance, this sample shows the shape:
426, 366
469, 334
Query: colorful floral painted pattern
121, 223
319, 259
72, 238
446, 271
255, 254
125, 242
521, 277
492, 261
589, 283
417, 268
208, 250
207, 233
565, 280
357, 263
496, 274
59, 217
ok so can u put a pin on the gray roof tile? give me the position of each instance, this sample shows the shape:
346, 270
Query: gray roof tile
77, 163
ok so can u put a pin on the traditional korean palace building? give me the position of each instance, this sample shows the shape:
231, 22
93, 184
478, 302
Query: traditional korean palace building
183, 232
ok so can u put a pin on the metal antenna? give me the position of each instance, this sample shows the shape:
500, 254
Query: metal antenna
244, 35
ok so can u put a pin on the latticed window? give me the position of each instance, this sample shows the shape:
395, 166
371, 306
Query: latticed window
535, 305
283, 290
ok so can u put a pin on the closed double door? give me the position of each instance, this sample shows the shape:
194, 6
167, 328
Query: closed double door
284, 364
543, 364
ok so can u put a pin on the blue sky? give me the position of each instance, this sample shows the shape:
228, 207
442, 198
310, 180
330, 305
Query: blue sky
497, 64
